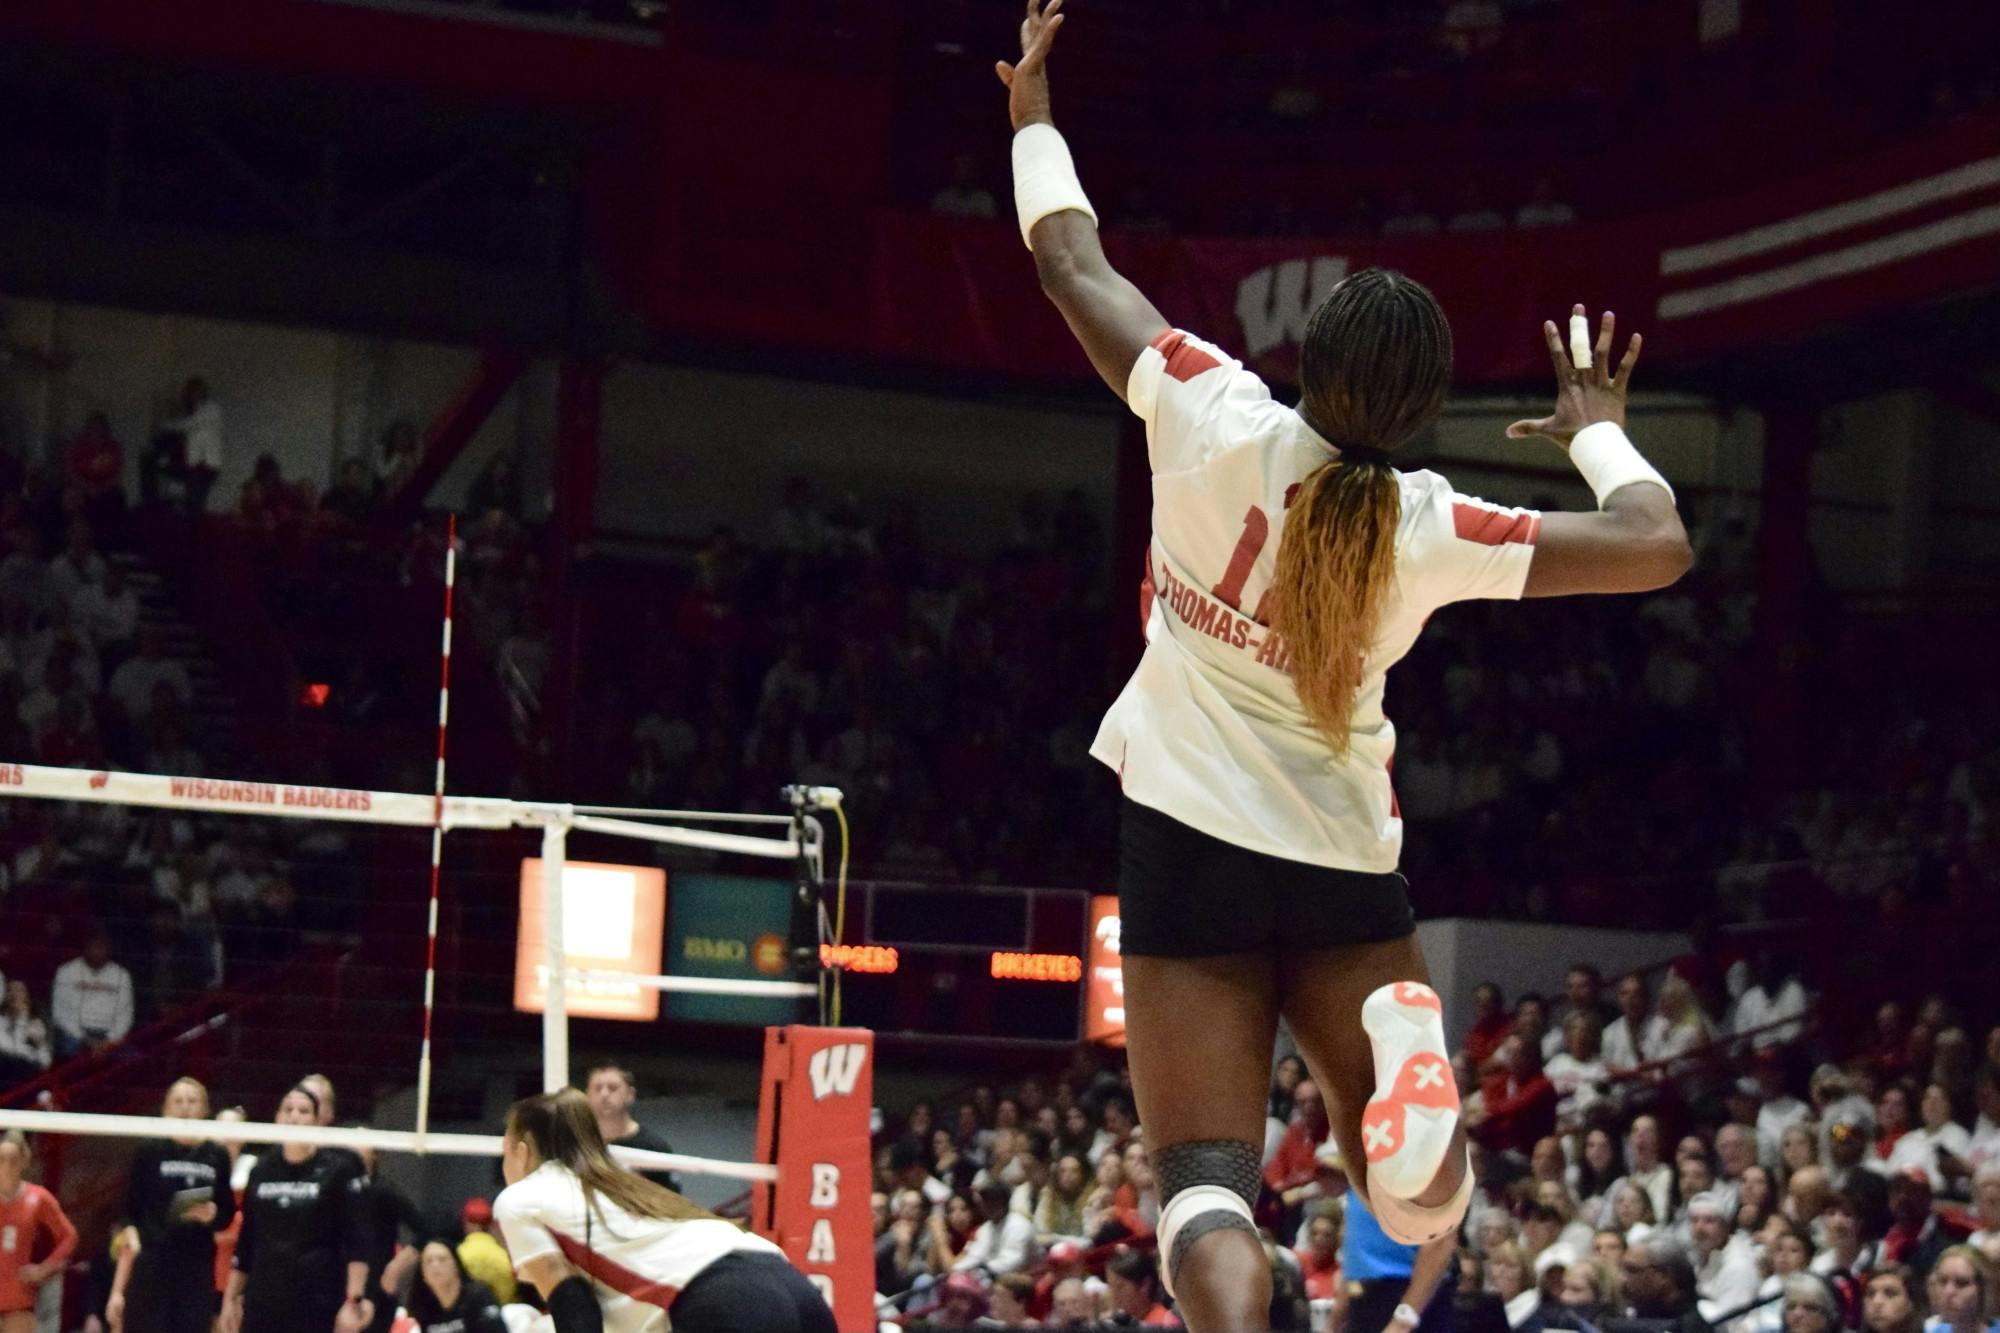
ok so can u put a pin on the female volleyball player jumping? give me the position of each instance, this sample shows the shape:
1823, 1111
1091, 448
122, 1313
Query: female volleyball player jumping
1291, 565
612, 1252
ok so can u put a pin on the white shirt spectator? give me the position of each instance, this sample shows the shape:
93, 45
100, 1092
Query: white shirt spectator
1985, 1142
1919, 1148
1578, 1084
1767, 1318
202, 428
133, 683
1621, 1052
1758, 1008
91, 1002
1006, 1246
1728, 1279
1773, 1119
25, 1039
1826, 1261
1678, 1039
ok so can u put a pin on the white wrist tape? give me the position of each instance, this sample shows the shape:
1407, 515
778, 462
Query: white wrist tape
1045, 178
1608, 461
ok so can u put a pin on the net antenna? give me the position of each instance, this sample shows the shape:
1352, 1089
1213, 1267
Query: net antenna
437, 831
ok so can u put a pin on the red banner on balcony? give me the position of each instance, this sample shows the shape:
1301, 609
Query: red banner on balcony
1899, 228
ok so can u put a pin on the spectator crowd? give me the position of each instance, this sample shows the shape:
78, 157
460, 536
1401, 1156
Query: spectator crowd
110, 915
1646, 1158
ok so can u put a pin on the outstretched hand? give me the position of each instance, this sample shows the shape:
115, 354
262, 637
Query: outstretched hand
1584, 396
1027, 80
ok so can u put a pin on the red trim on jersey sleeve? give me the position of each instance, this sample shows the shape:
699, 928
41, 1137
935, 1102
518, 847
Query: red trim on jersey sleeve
1184, 359
1494, 527
614, 1275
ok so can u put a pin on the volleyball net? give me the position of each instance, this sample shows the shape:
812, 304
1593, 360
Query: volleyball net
272, 929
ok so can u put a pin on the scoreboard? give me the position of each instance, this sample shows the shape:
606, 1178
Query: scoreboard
970, 963
976, 963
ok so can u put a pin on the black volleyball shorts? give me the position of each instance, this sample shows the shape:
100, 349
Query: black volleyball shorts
1185, 894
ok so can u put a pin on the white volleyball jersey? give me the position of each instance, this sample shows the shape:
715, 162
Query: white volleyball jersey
638, 1265
1209, 730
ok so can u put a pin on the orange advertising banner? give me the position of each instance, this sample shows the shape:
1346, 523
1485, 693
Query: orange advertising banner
614, 918
1104, 994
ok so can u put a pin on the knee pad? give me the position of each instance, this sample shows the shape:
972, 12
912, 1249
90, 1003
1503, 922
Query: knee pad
1411, 1224
1208, 1185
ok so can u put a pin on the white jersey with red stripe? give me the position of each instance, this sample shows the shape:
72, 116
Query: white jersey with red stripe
637, 1264
1209, 730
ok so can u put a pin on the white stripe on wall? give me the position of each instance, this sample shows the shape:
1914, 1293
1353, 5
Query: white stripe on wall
1838, 217
1834, 264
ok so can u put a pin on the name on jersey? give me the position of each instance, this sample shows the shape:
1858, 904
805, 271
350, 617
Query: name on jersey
1204, 615
188, 1171
285, 1191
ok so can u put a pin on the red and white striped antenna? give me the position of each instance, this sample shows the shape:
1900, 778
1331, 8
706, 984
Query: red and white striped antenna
437, 833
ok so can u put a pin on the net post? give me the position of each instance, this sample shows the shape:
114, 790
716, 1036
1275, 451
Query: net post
555, 1007
812, 1124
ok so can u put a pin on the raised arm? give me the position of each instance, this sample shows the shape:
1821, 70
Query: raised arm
1110, 317
1635, 541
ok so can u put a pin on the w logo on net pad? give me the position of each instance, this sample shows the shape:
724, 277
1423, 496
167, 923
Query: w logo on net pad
834, 1069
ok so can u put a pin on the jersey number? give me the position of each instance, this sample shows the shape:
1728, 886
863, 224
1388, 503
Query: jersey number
1256, 532
8, 1238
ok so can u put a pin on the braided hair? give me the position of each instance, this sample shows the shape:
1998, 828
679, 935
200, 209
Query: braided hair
1374, 369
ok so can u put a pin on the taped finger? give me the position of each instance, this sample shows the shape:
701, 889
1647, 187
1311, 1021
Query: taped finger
1579, 340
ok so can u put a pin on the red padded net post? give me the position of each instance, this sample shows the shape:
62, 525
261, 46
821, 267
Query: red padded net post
812, 1123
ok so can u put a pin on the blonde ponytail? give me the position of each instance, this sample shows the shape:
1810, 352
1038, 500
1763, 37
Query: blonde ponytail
1335, 563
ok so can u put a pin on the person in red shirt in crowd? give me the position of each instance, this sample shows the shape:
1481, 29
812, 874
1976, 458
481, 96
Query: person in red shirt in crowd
964, 1301
1892, 1119
1319, 1257
1519, 1101
1135, 1290
1295, 1164
1063, 1261
1490, 1024
95, 465
269, 501
29, 1215
1916, 1235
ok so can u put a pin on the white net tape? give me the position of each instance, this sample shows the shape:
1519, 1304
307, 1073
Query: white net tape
230, 797
321, 1136
800, 838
